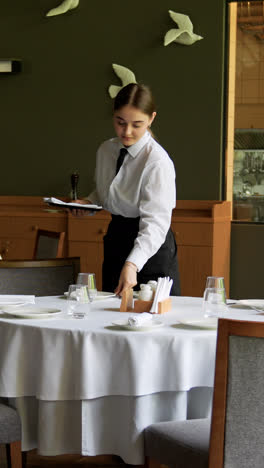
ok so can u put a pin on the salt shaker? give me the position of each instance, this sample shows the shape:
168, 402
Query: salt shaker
153, 285
145, 293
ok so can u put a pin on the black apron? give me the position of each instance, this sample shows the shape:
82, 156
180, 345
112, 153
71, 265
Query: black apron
118, 243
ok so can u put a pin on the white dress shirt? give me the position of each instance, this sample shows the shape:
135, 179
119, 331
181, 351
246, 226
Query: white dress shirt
144, 187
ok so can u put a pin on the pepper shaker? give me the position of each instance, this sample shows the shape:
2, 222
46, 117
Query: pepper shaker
74, 183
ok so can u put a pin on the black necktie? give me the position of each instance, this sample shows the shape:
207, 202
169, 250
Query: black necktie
120, 159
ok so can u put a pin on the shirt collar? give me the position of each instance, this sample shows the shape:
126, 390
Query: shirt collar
133, 150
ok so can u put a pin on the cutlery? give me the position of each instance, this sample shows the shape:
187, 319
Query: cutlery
260, 311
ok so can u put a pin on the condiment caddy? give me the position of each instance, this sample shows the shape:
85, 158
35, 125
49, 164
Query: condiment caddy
146, 301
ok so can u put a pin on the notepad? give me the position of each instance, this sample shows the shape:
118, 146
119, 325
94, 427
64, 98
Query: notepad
71, 205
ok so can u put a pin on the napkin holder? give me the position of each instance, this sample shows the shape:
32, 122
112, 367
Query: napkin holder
142, 306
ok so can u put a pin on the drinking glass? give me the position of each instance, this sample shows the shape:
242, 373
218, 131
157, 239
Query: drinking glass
77, 300
214, 302
88, 279
215, 282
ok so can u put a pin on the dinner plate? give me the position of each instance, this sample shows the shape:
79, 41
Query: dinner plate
103, 295
33, 312
100, 295
144, 327
208, 323
257, 303
6, 305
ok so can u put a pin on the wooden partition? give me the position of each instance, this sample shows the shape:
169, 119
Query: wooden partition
201, 229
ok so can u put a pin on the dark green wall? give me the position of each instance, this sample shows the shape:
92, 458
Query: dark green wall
55, 113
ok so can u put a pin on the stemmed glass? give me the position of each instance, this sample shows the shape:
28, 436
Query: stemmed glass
214, 299
88, 279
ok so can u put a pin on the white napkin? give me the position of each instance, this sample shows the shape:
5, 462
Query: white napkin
162, 292
12, 298
12, 301
139, 319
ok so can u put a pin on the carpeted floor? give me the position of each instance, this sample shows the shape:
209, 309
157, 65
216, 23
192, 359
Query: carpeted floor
68, 461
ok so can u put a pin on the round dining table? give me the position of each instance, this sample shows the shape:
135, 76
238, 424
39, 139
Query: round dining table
90, 386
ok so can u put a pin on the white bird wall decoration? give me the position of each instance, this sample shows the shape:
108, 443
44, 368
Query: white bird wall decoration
66, 5
184, 34
125, 75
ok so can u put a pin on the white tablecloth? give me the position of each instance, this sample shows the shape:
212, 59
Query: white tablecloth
71, 359
81, 386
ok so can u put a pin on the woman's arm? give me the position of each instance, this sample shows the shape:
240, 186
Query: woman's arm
157, 200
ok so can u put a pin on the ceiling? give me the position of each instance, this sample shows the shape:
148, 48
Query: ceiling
250, 18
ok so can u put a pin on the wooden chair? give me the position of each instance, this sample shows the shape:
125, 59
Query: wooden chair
38, 277
10, 435
49, 244
234, 437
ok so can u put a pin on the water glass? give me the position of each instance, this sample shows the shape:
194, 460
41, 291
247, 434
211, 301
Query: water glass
214, 302
77, 300
215, 282
88, 279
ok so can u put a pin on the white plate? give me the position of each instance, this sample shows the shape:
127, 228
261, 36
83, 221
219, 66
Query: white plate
104, 295
5, 305
258, 303
208, 323
100, 295
144, 327
33, 312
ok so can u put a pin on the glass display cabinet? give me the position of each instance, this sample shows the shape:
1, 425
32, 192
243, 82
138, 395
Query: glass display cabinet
248, 176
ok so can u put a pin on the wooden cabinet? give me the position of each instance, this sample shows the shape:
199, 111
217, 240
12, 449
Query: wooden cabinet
201, 229
85, 240
20, 218
202, 232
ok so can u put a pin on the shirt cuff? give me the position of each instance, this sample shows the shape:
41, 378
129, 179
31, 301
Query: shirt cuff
138, 258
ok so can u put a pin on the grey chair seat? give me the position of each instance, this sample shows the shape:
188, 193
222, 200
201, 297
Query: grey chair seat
10, 426
183, 444
236, 433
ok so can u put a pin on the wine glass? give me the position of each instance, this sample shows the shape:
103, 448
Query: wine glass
88, 279
77, 300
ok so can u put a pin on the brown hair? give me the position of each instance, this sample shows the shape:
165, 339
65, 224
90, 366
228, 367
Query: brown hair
136, 95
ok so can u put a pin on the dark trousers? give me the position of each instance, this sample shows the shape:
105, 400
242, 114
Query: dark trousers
118, 243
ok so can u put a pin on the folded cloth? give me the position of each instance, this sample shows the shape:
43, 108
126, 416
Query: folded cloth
12, 299
139, 319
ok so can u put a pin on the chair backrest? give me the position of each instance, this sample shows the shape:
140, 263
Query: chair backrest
237, 429
38, 277
49, 244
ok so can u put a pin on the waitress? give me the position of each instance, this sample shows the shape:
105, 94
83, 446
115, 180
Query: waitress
135, 181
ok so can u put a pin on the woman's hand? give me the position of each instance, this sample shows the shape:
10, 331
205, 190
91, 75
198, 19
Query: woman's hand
80, 212
127, 279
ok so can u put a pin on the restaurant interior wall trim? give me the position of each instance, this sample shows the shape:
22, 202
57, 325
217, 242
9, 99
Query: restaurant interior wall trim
57, 110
